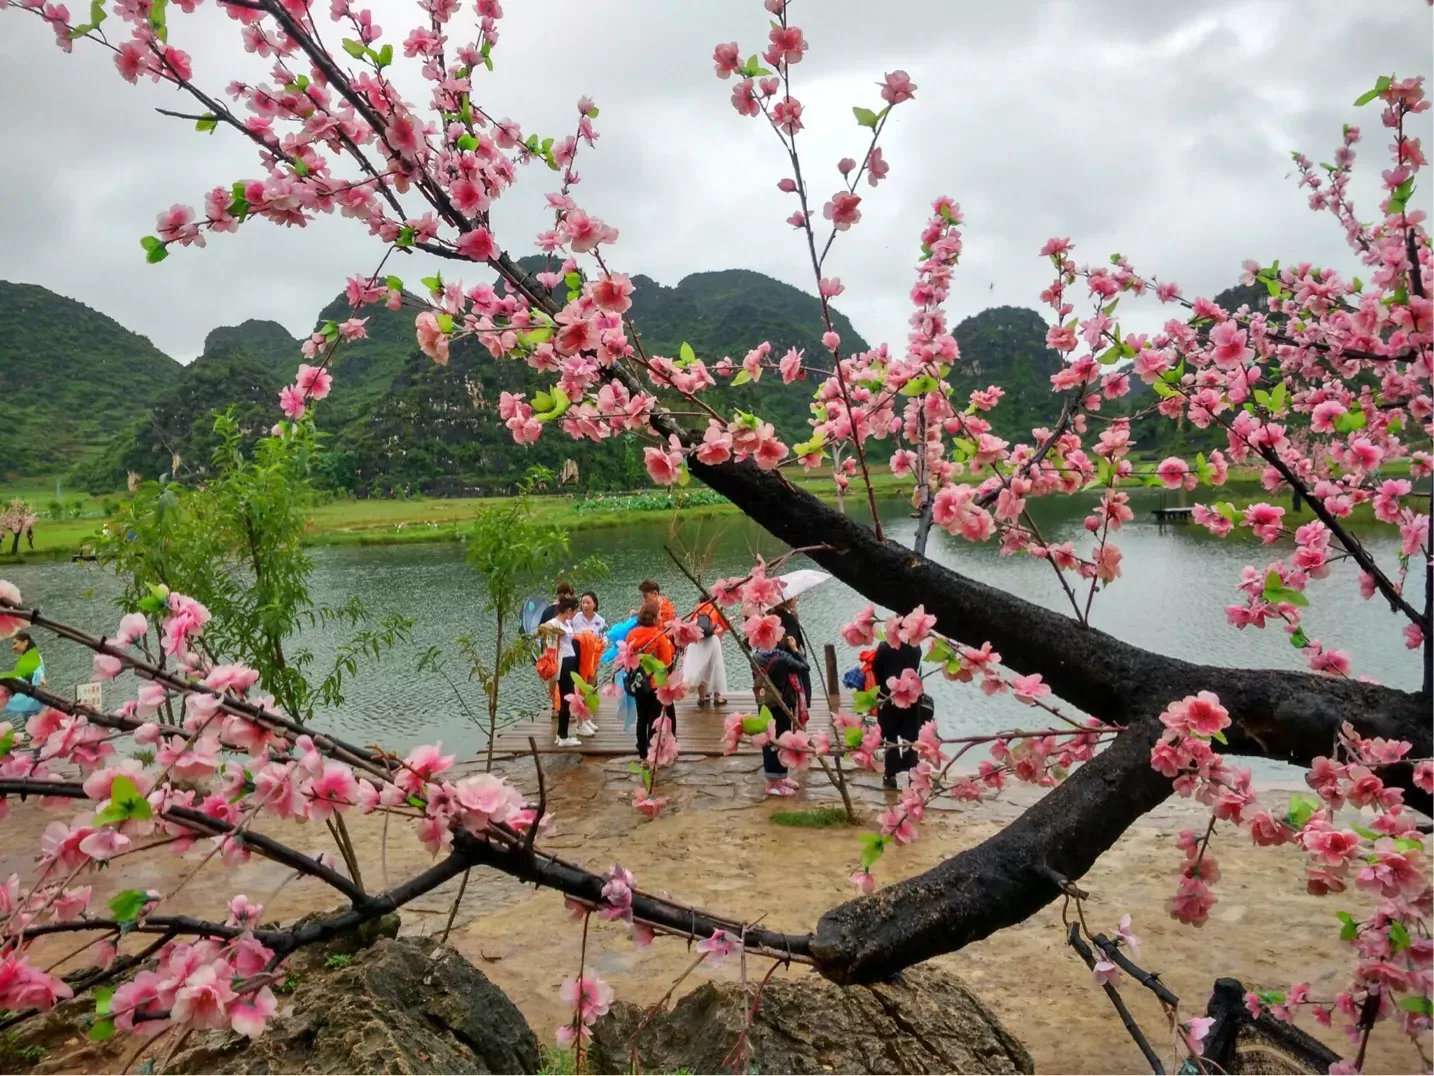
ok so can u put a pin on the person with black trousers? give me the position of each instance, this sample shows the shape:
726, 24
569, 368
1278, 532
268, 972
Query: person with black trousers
898, 723
559, 631
794, 642
648, 637
784, 670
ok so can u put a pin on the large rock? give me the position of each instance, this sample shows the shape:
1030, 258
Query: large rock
929, 1021
366, 1002
406, 1005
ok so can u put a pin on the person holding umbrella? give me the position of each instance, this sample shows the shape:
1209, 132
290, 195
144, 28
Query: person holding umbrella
794, 640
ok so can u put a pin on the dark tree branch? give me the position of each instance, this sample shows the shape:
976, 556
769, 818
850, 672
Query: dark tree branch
1078, 943
204, 826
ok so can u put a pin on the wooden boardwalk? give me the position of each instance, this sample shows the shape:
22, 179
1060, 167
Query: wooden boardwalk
699, 731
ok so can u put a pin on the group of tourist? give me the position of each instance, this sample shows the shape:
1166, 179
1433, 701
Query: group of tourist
578, 640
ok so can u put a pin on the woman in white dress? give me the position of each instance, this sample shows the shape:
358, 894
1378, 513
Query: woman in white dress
703, 665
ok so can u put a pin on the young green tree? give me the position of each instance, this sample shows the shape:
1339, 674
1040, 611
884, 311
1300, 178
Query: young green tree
515, 556
235, 542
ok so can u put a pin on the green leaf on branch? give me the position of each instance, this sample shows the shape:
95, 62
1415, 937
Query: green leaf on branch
872, 846
1172, 377
557, 405
485, 55
1398, 936
126, 804
101, 1030
1380, 85
1298, 639
466, 141
1302, 809
393, 283
155, 250
6, 742
1110, 355
356, 49
919, 385
1399, 198
939, 651
1349, 421
157, 24
741, 378
405, 237
445, 322
685, 354
127, 904
385, 56
1365, 832
238, 204
433, 283
756, 724
1417, 1003
1275, 591
865, 117
301, 167
1350, 930
534, 337
865, 701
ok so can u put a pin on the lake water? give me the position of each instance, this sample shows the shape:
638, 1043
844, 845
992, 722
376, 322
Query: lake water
1171, 598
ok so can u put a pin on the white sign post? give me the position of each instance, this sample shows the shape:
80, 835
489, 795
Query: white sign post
91, 695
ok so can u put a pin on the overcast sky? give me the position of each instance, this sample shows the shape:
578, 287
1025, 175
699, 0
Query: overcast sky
1158, 129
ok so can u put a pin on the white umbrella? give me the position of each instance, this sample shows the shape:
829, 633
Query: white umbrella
799, 582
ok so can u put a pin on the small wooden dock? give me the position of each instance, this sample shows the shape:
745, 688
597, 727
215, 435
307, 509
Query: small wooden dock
1178, 514
699, 731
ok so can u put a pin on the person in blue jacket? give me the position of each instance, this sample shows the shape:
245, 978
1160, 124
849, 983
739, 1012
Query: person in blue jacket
29, 667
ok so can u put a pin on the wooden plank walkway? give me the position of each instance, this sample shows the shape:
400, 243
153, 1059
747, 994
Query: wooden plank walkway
699, 731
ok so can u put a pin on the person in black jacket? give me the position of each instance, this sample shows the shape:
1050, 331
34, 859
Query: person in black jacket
897, 723
794, 641
784, 670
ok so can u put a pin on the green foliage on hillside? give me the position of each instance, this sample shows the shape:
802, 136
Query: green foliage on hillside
89, 392
181, 423
363, 369
70, 378
1006, 346
267, 341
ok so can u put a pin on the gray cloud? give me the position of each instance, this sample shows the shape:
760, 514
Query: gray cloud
1159, 130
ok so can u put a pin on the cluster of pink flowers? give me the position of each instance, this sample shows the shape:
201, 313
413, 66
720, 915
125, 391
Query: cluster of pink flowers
191, 728
1386, 859
590, 998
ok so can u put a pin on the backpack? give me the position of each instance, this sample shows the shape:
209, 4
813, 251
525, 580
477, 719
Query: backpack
638, 682
548, 664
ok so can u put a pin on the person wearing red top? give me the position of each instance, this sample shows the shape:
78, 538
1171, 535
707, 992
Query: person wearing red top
648, 638
651, 591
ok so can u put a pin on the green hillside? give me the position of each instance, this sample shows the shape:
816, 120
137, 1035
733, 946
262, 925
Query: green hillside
179, 427
267, 341
70, 379
1006, 346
